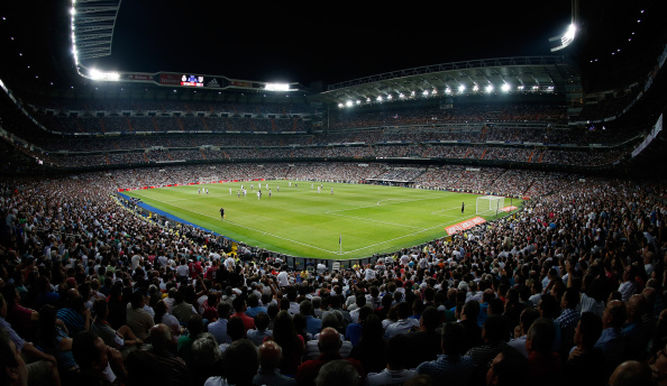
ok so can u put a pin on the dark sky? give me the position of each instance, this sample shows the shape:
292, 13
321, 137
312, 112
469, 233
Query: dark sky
327, 41
315, 41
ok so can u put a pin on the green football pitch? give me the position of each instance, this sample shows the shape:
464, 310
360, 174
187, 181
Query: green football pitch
355, 221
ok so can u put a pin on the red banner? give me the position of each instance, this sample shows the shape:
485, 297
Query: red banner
464, 225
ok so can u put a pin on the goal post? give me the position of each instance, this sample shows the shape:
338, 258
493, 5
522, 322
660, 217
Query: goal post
489, 205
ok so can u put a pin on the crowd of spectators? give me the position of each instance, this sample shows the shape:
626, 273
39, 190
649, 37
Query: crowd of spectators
535, 155
569, 290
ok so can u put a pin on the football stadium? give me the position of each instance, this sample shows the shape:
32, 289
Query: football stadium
200, 194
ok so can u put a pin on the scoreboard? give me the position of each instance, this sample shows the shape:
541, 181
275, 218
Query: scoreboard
190, 80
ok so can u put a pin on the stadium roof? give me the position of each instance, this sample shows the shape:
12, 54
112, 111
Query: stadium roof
92, 24
524, 74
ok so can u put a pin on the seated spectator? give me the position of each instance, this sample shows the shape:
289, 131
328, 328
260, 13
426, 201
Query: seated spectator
138, 319
568, 318
396, 371
312, 349
218, 328
528, 316
13, 370
99, 364
585, 363
44, 366
404, 324
235, 330
313, 324
158, 365
372, 348
75, 315
239, 305
292, 344
354, 330
329, 343
253, 306
205, 358
450, 368
260, 333
338, 372
119, 339
472, 332
184, 342
631, 373
424, 345
492, 335
270, 354
239, 365
544, 364
508, 368
611, 341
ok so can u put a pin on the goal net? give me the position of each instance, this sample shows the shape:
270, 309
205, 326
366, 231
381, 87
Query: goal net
489, 205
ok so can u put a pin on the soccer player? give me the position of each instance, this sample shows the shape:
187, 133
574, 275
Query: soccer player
463, 206
269, 192
230, 191
277, 188
332, 191
222, 213
259, 194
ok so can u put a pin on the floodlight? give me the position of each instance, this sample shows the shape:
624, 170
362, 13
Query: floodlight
389, 97
110, 76
348, 104
340, 105
434, 92
425, 93
412, 93
566, 39
368, 100
475, 88
72, 11
358, 102
448, 91
505, 87
488, 88
379, 98
535, 88
277, 87
401, 96
519, 87
462, 88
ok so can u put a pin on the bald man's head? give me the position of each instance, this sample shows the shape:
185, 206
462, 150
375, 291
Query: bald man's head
631, 373
160, 336
329, 341
270, 353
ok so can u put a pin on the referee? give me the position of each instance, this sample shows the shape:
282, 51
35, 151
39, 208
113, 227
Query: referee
222, 213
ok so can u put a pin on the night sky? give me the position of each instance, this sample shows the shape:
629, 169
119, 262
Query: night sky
319, 41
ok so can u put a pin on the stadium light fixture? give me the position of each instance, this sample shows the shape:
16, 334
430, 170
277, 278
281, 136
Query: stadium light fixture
488, 89
379, 98
425, 93
368, 100
277, 87
520, 87
566, 38
434, 92
340, 105
505, 87
462, 88
358, 102
448, 91
475, 87
401, 96
349, 103
109, 76
413, 93
389, 97
535, 88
